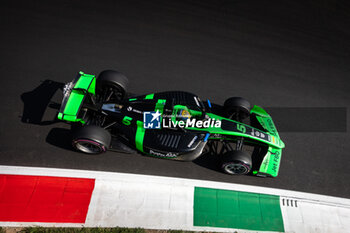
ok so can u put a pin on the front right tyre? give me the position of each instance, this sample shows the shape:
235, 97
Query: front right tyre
236, 162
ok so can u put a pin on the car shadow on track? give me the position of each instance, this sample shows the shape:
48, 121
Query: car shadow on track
212, 161
61, 138
40, 108
208, 160
37, 102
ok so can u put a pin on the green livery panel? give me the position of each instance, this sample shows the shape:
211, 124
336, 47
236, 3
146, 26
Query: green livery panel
265, 120
140, 133
74, 95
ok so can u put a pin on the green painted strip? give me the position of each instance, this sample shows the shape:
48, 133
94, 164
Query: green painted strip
239, 210
140, 133
149, 97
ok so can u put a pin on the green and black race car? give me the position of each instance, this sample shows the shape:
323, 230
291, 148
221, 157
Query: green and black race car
173, 125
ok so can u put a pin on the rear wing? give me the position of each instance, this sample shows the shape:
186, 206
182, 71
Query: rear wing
74, 94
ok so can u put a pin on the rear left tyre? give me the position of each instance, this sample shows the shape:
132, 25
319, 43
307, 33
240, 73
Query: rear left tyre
91, 139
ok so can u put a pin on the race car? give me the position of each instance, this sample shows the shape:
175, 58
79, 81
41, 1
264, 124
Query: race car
174, 125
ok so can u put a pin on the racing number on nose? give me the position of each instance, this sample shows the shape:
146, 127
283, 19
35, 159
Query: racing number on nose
241, 128
127, 120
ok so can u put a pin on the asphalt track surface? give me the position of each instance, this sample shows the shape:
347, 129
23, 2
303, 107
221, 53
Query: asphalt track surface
274, 54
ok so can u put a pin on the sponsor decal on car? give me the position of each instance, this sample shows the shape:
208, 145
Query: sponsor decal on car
160, 154
153, 120
276, 158
192, 123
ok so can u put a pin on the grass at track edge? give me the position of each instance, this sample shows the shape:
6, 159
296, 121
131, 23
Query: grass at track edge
84, 230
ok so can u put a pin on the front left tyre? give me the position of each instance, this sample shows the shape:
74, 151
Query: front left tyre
91, 139
237, 108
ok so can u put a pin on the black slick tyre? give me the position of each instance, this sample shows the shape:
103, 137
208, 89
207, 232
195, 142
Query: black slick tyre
236, 162
91, 139
237, 108
111, 85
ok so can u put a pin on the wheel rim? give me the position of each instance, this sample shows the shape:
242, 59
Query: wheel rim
88, 146
236, 168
